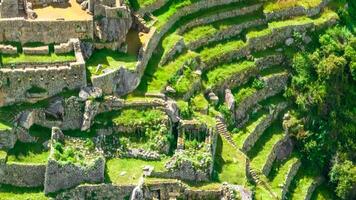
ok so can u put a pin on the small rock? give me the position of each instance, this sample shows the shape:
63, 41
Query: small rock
84, 5
213, 98
289, 41
123, 173
90, 92
169, 89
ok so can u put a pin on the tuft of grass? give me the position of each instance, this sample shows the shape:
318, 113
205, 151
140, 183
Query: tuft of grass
276, 5
109, 60
127, 171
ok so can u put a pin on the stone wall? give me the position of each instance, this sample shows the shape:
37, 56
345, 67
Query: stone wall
63, 176
100, 191
288, 180
242, 77
22, 175
271, 157
225, 33
9, 8
16, 82
296, 11
156, 35
220, 16
45, 2
42, 50
7, 139
8, 49
154, 6
318, 181
24, 31
261, 127
273, 85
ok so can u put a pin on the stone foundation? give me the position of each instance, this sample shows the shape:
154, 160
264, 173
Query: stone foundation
22, 175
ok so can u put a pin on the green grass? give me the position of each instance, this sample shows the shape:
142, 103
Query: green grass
169, 10
276, 5
51, 58
199, 103
31, 152
162, 74
27, 153
240, 137
132, 169
139, 4
220, 49
229, 164
3, 154
243, 93
109, 60
263, 147
324, 192
199, 32
261, 193
17, 193
225, 71
279, 173
324, 17
302, 181
4, 126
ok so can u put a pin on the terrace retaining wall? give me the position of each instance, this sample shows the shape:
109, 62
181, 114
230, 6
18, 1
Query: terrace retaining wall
271, 157
63, 176
44, 31
273, 85
219, 16
261, 127
291, 174
22, 175
296, 11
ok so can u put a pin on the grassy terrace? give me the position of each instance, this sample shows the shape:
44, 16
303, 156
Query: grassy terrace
229, 163
327, 15
132, 117
263, 147
302, 182
124, 171
200, 32
220, 49
17, 193
109, 60
50, 58
138, 4
240, 137
159, 76
276, 5
279, 174
226, 71
324, 192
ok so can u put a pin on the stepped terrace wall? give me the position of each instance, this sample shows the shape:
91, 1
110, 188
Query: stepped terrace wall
274, 85
291, 174
24, 31
156, 35
16, 83
260, 128
22, 175
296, 11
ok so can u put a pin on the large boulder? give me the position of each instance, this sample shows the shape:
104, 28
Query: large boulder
113, 26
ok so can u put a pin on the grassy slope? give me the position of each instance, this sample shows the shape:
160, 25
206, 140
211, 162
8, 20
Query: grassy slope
229, 163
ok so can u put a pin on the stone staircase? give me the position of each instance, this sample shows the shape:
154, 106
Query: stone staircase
222, 130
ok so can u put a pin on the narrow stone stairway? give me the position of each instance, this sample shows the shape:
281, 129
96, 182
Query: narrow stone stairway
222, 130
